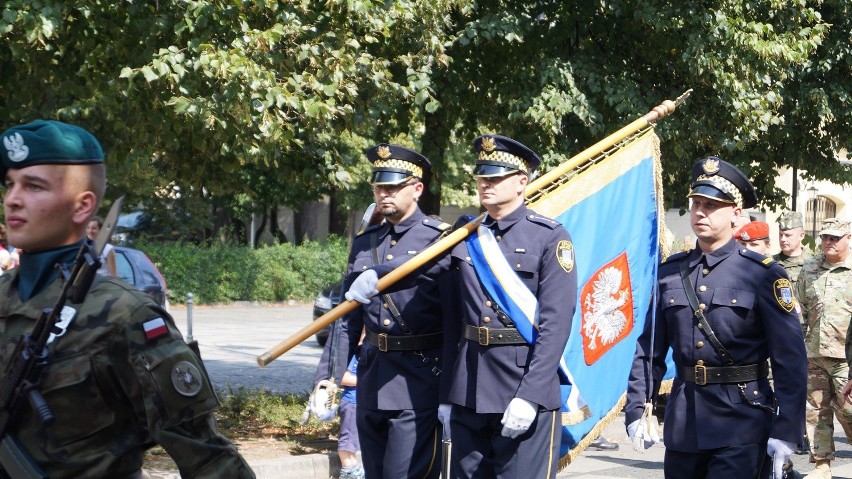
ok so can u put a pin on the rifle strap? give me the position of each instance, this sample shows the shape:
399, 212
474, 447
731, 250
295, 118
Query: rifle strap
15, 461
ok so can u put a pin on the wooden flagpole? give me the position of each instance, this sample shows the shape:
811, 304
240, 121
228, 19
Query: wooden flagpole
665, 108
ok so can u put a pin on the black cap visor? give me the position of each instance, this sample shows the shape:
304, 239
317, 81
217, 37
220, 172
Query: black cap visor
389, 176
493, 169
710, 191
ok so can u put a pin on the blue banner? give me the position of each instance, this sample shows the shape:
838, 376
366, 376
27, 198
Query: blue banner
613, 212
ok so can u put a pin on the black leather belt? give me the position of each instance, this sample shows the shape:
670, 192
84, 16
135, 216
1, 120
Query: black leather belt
412, 342
493, 336
702, 375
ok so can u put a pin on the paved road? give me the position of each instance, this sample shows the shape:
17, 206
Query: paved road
231, 338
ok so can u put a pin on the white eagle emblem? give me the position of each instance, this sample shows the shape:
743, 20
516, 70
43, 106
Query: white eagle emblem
17, 150
604, 320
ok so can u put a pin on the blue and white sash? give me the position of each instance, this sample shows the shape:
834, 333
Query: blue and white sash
513, 297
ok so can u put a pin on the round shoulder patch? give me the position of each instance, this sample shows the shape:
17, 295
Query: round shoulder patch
784, 294
565, 255
186, 378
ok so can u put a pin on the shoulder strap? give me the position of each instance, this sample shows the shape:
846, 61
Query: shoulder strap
394, 311
702, 320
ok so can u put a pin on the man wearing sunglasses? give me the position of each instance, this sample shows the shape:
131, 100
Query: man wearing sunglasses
824, 290
400, 359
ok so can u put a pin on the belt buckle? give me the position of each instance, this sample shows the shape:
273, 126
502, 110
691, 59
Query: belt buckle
383, 342
700, 374
482, 336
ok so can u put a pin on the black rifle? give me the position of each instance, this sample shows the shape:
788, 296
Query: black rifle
22, 376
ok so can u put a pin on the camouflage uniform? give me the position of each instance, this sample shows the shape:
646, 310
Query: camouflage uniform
116, 391
825, 291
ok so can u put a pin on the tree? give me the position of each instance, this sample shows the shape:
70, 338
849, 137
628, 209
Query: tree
213, 108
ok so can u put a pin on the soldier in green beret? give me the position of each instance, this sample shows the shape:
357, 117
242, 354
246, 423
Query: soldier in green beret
119, 377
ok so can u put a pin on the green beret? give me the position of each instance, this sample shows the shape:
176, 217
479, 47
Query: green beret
43, 142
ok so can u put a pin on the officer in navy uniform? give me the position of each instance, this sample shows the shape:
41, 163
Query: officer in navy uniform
726, 312
504, 396
400, 359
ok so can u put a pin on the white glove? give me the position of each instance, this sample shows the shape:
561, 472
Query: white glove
779, 450
518, 417
643, 433
444, 413
322, 401
364, 287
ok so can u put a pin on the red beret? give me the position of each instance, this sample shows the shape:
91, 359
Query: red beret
756, 230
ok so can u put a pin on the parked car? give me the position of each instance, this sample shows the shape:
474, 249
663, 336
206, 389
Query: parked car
327, 299
134, 267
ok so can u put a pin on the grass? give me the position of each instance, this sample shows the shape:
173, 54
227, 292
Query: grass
259, 421
255, 414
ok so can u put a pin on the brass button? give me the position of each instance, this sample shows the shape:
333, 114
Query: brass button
363, 267
518, 266
702, 306
700, 326
702, 288
385, 305
700, 362
393, 242
755, 393
467, 258
734, 301
498, 237
486, 319
671, 301
389, 257
386, 322
699, 344
705, 271
488, 303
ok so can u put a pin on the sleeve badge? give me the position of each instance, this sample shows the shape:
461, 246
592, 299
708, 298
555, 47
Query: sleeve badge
186, 378
565, 255
784, 294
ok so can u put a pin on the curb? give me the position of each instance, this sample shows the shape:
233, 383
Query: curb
307, 466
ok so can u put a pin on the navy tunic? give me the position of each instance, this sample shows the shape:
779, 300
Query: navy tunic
746, 300
486, 378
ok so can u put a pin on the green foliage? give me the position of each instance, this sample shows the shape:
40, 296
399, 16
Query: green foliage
259, 407
225, 273
218, 108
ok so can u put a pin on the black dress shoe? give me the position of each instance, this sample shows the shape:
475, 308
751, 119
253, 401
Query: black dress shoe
601, 444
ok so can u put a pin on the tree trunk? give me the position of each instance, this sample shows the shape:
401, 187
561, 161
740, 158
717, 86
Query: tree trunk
337, 216
276, 232
435, 141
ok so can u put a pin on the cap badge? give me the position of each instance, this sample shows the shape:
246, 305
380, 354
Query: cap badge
383, 152
488, 144
710, 166
18, 151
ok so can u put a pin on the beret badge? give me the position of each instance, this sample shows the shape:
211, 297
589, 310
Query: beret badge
711, 166
17, 150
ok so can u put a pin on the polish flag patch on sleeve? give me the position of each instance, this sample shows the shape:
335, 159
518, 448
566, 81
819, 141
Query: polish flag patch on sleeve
155, 328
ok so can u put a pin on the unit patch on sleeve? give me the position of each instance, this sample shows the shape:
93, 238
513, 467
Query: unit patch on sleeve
565, 255
784, 294
186, 378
